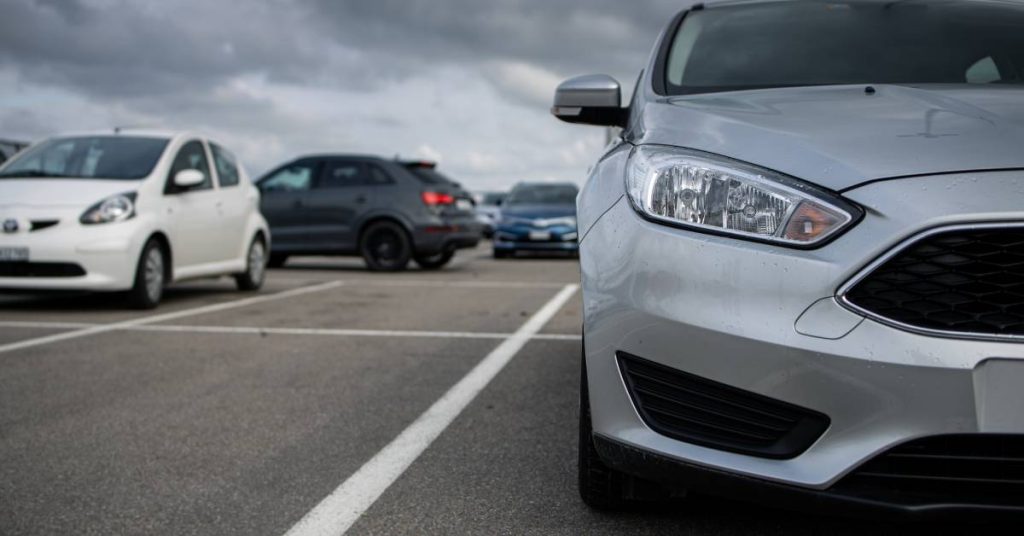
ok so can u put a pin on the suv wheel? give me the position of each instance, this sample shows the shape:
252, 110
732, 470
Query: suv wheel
434, 262
385, 247
150, 277
255, 267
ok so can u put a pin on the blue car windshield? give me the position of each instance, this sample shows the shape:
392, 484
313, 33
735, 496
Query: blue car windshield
782, 44
542, 194
88, 157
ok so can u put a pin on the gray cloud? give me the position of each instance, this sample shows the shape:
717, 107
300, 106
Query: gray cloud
465, 80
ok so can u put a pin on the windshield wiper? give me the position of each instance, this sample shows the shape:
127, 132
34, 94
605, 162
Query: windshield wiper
32, 173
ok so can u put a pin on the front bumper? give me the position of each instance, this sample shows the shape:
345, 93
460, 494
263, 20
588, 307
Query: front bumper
106, 253
526, 238
765, 319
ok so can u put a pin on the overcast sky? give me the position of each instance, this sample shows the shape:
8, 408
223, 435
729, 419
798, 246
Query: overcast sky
464, 82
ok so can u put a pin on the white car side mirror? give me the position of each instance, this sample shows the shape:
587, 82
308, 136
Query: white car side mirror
187, 178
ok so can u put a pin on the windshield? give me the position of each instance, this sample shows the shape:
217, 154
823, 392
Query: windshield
823, 43
91, 157
542, 194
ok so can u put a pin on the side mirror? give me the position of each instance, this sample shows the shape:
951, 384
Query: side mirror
592, 100
187, 178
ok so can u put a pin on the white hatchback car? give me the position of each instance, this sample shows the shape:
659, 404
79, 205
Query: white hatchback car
120, 212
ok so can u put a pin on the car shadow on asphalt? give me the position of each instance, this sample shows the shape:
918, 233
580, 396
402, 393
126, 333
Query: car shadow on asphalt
85, 302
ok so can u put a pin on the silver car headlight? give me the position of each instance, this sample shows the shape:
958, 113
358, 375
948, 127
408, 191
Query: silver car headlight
118, 207
715, 194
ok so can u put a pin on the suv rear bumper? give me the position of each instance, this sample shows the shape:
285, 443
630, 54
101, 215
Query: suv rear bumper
450, 236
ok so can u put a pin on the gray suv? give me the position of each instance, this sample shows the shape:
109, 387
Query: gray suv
389, 212
803, 262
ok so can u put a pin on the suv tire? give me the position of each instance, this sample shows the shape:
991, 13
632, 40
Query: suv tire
385, 246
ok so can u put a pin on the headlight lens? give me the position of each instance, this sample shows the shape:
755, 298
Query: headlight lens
118, 207
567, 221
713, 193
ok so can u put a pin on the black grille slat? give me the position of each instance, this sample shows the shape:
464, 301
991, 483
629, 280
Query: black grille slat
714, 423
981, 469
40, 269
682, 401
39, 225
711, 414
966, 281
697, 392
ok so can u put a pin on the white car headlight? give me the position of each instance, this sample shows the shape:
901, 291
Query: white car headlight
715, 194
118, 207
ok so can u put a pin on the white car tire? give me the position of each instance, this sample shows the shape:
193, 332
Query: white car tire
150, 277
255, 267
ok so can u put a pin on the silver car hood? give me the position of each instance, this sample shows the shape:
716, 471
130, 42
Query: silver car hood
841, 136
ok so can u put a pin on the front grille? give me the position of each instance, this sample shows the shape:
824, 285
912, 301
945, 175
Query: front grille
40, 269
977, 469
703, 412
967, 281
39, 225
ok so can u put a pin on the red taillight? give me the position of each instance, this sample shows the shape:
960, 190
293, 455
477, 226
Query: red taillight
434, 199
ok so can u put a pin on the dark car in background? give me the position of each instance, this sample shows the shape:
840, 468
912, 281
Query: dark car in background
9, 148
389, 212
537, 216
488, 208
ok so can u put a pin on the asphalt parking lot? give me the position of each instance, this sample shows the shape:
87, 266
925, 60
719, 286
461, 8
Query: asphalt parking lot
414, 403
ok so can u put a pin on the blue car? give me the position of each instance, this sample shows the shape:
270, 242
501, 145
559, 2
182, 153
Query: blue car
537, 217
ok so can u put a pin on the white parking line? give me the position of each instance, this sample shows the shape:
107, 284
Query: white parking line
432, 283
340, 510
252, 330
152, 319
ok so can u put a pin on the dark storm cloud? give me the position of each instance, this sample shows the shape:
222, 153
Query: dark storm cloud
130, 48
565, 37
465, 81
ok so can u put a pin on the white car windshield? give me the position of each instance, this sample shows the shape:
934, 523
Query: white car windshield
89, 157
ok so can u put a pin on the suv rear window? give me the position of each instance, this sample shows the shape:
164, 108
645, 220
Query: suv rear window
781, 44
428, 175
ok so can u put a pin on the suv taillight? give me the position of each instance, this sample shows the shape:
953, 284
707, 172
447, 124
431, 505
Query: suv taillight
434, 199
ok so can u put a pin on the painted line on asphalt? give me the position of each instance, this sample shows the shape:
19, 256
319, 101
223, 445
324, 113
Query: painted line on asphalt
342, 508
163, 317
433, 283
252, 330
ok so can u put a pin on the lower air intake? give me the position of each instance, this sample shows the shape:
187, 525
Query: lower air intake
707, 413
974, 469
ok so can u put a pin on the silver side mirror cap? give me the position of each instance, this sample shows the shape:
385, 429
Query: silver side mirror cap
594, 99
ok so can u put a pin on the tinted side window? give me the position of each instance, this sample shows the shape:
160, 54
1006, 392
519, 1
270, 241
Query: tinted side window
342, 174
379, 177
227, 166
190, 156
297, 177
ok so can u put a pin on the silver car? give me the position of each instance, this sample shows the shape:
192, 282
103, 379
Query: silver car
803, 262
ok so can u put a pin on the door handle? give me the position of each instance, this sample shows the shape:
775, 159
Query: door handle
361, 199
297, 204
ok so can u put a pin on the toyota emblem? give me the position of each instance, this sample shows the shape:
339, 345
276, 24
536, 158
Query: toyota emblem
10, 225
